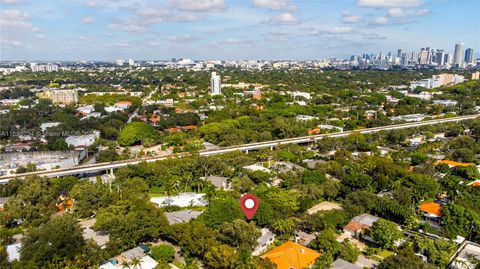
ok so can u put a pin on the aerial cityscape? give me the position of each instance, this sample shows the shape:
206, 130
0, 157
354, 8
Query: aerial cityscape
225, 134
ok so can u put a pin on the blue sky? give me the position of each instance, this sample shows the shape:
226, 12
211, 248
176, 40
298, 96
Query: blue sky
230, 29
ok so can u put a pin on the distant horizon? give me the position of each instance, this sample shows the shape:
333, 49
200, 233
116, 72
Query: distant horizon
84, 30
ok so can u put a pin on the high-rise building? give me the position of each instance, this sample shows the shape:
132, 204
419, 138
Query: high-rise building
440, 57
423, 57
469, 56
399, 53
60, 96
215, 86
458, 54
404, 59
131, 62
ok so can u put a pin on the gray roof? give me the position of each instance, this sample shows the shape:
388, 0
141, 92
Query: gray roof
217, 181
182, 216
265, 237
365, 219
136, 252
343, 264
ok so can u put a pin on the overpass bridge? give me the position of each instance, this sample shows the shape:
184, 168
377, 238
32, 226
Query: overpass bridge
99, 167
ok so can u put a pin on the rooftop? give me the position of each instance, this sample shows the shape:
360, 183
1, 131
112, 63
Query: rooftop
182, 216
291, 255
431, 208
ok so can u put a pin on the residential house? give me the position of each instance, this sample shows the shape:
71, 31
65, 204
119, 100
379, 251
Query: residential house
13, 251
220, 183
464, 256
85, 110
184, 199
266, 239
257, 167
46, 125
304, 238
292, 255
343, 264
123, 104
360, 224
183, 216
431, 211
82, 141
452, 164
124, 260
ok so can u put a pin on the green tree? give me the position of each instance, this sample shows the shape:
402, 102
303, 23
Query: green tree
239, 234
385, 233
138, 132
222, 210
59, 239
165, 253
221, 257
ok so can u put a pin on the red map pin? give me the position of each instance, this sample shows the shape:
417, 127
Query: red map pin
249, 204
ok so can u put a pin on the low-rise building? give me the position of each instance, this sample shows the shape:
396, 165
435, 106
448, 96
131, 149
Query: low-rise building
183, 216
82, 141
360, 223
220, 183
184, 199
266, 239
465, 255
291, 255
123, 261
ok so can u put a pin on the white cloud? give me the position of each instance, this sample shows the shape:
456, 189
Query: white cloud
199, 5
128, 26
11, 2
380, 21
11, 43
13, 14
284, 18
274, 4
388, 3
349, 18
231, 41
341, 30
373, 36
401, 12
181, 38
14, 21
186, 17
88, 20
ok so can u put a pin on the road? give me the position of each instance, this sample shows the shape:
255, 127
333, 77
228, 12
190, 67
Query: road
91, 168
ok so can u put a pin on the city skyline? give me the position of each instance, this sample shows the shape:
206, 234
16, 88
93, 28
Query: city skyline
217, 29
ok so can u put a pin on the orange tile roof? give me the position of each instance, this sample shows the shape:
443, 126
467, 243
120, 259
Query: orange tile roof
123, 103
314, 131
432, 208
354, 226
173, 130
453, 163
291, 255
189, 127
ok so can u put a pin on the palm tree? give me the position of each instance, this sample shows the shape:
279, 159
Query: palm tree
198, 183
136, 263
125, 264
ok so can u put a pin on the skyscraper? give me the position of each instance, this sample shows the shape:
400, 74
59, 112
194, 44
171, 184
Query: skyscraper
423, 57
440, 57
399, 53
458, 54
469, 56
215, 87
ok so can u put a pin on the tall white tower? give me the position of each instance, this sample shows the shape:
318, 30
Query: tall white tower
215, 87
